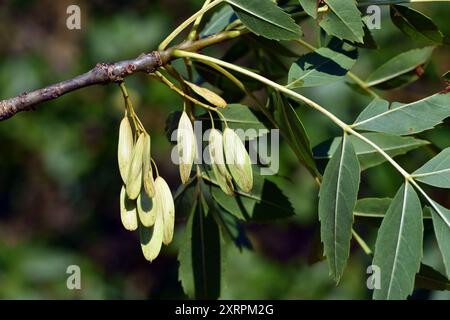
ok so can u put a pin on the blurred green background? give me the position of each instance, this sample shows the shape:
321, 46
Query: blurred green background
59, 181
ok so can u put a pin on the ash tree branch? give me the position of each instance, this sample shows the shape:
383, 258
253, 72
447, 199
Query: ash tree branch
104, 73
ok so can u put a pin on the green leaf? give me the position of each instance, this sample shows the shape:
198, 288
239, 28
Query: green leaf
239, 116
367, 155
200, 259
436, 172
442, 232
274, 47
337, 199
430, 279
266, 201
400, 69
398, 249
404, 119
343, 20
310, 7
184, 197
372, 207
368, 40
294, 130
265, 18
230, 226
371, 211
323, 66
218, 22
416, 25
446, 76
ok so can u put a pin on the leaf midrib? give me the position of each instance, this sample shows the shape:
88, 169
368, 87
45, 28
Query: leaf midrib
396, 109
338, 182
399, 236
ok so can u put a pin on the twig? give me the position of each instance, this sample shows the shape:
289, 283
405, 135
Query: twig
104, 73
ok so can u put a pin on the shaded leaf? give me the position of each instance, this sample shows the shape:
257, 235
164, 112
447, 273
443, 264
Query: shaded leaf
401, 68
273, 46
398, 249
291, 125
184, 198
239, 116
442, 232
171, 125
430, 279
416, 25
367, 155
446, 76
436, 172
372, 207
337, 199
343, 20
316, 253
310, 7
266, 201
404, 119
265, 18
231, 226
371, 211
323, 66
200, 256
368, 40
218, 22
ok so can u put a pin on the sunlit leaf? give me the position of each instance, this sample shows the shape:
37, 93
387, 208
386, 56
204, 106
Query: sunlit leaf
323, 66
399, 70
404, 119
337, 199
398, 249
436, 172
343, 20
367, 155
265, 18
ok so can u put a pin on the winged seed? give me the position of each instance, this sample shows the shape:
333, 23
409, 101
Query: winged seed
186, 146
124, 148
238, 160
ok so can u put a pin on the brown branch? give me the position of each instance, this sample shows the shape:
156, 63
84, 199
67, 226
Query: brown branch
104, 73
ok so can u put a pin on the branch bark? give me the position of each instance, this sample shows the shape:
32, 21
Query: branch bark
104, 73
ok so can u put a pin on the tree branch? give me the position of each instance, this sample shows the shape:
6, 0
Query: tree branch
104, 73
